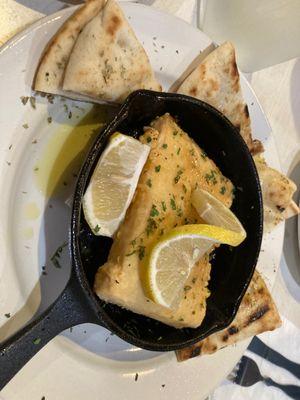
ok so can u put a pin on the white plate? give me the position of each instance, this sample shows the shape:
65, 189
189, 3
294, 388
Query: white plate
88, 362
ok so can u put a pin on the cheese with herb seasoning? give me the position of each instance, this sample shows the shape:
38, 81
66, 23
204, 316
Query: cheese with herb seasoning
161, 202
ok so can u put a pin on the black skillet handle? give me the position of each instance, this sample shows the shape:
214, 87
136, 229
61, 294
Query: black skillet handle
71, 308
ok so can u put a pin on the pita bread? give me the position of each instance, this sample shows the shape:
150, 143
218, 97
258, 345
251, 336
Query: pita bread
216, 81
107, 61
277, 191
257, 314
50, 72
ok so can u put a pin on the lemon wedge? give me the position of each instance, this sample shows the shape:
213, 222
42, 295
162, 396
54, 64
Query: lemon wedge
171, 259
113, 183
214, 212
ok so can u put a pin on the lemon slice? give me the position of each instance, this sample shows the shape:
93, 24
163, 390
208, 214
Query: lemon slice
113, 183
172, 258
214, 212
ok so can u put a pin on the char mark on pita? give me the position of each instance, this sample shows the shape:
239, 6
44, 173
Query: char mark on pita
257, 313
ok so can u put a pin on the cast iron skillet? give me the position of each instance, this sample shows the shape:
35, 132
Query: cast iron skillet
232, 268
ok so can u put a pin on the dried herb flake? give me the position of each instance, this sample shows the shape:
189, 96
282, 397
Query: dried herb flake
154, 211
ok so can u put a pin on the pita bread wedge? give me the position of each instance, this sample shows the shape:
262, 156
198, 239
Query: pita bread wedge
257, 314
107, 61
50, 72
216, 81
277, 191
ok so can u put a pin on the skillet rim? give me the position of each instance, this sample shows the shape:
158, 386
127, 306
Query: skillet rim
102, 317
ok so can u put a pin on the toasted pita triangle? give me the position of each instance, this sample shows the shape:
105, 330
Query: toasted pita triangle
50, 72
277, 191
216, 81
107, 61
257, 314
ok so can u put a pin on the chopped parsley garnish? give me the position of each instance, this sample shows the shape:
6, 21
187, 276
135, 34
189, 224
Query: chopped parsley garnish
175, 133
194, 280
149, 139
178, 151
25, 126
130, 254
157, 168
136, 377
149, 183
192, 152
141, 252
164, 207
154, 211
37, 341
179, 212
211, 178
49, 119
172, 203
184, 188
223, 190
178, 176
97, 228
7, 315
203, 155
164, 145
151, 226
187, 288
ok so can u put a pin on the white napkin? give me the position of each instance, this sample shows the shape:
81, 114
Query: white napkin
286, 341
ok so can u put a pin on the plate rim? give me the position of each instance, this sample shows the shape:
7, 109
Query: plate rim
57, 15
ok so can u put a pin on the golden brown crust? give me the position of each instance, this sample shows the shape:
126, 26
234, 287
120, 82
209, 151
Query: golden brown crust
114, 25
257, 313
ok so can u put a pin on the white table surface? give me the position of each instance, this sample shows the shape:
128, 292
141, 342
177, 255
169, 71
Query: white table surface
278, 90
